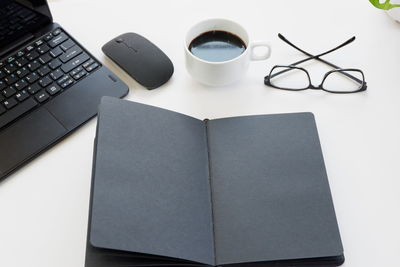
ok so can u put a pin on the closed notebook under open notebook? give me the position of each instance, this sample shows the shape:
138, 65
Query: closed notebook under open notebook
172, 190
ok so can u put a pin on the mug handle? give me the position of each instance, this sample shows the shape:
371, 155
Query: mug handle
264, 56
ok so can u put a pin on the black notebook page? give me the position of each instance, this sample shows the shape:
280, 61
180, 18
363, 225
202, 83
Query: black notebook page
270, 193
151, 189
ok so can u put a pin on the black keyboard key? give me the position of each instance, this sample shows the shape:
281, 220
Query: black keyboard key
45, 81
43, 49
42, 96
56, 52
92, 67
54, 64
10, 103
43, 71
76, 71
21, 62
88, 63
45, 58
2, 74
2, 109
56, 74
39, 42
31, 78
10, 68
34, 65
9, 92
70, 54
62, 37
11, 79
53, 89
32, 55
67, 83
67, 45
22, 72
80, 75
22, 96
63, 79
56, 32
10, 59
20, 53
30, 48
16, 112
21, 84
48, 37
75, 62
2, 85
34, 88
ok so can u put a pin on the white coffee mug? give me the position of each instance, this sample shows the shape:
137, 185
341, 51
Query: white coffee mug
224, 72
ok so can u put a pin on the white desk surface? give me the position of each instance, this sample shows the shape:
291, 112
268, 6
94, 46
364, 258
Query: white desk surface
44, 206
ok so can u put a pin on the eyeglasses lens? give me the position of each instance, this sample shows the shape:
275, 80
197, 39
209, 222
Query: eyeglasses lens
289, 78
338, 81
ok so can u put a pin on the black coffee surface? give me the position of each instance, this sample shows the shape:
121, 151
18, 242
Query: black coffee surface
217, 46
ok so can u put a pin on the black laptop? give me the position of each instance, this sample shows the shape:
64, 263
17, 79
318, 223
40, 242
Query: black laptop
49, 83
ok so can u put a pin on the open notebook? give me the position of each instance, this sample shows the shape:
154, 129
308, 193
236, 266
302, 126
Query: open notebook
172, 190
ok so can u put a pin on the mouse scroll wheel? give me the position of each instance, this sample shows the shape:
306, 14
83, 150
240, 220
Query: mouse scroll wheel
119, 40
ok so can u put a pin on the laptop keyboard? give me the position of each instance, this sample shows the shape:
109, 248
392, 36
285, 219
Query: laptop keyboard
39, 72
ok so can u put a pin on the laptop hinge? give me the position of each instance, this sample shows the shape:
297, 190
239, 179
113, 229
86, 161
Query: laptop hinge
16, 44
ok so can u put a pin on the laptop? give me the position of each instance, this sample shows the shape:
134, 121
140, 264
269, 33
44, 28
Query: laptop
49, 83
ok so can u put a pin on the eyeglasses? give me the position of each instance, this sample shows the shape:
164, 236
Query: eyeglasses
293, 78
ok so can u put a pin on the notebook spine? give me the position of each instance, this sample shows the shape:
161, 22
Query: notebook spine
211, 188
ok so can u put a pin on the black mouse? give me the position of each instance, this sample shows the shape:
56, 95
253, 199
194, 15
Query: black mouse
141, 59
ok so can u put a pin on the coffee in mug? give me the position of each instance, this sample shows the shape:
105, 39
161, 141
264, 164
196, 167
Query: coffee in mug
217, 46
218, 51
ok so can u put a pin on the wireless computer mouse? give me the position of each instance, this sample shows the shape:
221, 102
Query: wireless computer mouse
140, 58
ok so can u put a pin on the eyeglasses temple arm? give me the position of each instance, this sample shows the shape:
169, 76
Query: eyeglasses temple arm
317, 57
283, 38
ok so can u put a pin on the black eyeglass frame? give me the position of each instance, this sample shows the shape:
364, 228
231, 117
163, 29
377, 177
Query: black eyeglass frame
363, 84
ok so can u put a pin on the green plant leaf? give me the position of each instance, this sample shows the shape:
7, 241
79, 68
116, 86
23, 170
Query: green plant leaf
385, 6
